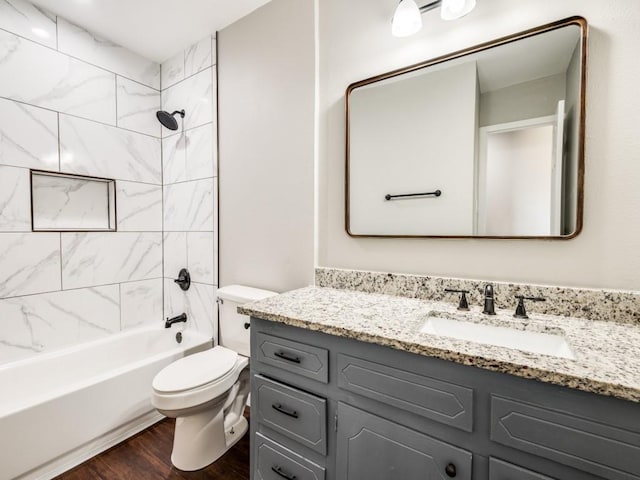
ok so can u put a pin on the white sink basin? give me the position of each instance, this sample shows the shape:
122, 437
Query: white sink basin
525, 340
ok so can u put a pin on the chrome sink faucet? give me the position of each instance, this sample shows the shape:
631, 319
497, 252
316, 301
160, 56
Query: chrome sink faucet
489, 305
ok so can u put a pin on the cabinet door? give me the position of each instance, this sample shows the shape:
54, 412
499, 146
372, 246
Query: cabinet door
499, 470
587, 444
372, 448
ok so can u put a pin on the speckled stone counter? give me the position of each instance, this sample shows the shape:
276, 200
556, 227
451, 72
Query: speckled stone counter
622, 306
607, 353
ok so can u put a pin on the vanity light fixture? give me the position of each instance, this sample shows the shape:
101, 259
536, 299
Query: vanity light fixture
454, 9
407, 18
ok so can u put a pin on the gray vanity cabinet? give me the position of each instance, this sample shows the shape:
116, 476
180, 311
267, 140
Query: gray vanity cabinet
330, 408
372, 448
499, 470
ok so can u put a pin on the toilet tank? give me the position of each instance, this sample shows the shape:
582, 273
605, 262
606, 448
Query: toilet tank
232, 332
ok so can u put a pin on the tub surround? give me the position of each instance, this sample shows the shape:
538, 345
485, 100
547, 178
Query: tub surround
89, 109
72, 102
618, 306
606, 353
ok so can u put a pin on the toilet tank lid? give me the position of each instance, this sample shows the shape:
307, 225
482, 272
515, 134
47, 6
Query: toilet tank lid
242, 294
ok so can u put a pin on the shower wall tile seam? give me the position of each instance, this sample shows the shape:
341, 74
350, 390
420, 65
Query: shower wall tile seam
205, 283
45, 292
190, 180
162, 204
184, 130
186, 248
120, 304
59, 146
188, 231
115, 82
57, 50
185, 79
61, 264
82, 118
122, 180
193, 282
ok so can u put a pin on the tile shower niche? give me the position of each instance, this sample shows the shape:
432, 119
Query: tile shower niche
65, 202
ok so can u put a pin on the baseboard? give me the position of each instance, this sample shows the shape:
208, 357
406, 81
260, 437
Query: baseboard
91, 449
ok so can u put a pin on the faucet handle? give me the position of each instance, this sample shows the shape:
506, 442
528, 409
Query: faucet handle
463, 305
521, 312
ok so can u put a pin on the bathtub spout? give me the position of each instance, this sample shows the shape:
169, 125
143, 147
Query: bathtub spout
170, 321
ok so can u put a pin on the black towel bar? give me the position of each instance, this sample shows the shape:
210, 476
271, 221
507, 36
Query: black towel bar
437, 193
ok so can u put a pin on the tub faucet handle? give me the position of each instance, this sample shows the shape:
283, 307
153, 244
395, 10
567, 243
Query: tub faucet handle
184, 279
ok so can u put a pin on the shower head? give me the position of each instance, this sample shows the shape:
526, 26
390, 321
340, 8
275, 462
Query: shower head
167, 119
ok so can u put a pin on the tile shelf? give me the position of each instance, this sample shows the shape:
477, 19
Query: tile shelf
63, 202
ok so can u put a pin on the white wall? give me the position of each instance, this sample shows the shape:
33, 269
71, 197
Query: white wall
571, 135
518, 182
355, 43
417, 134
267, 92
537, 98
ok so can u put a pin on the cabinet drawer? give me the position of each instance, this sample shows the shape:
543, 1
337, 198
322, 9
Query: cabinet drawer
291, 412
275, 462
437, 400
600, 449
373, 448
306, 360
499, 470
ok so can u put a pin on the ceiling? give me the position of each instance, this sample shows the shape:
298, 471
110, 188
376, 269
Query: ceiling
155, 29
527, 59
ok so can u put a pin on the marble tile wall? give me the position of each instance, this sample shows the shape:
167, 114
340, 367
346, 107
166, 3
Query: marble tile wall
73, 102
190, 184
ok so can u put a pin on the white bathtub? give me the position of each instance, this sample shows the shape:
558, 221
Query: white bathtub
61, 408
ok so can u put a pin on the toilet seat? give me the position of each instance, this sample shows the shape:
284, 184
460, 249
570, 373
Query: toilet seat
197, 379
195, 370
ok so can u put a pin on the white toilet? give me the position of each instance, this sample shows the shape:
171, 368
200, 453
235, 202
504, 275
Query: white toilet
206, 392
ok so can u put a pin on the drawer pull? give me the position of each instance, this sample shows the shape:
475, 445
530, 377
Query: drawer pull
450, 470
287, 357
282, 473
281, 409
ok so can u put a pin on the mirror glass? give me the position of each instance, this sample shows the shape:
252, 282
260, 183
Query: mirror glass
486, 142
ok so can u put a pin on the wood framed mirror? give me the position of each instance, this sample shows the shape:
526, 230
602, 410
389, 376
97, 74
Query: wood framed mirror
487, 142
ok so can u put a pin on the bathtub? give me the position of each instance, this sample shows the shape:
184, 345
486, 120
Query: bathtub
61, 408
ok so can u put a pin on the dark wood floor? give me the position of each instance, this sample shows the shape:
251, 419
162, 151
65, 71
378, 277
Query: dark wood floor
148, 456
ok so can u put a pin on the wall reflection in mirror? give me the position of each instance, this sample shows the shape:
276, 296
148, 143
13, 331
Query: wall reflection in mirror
498, 130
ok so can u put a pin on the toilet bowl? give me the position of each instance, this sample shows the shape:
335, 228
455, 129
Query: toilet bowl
207, 392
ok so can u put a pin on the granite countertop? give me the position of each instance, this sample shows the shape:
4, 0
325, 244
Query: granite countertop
607, 354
